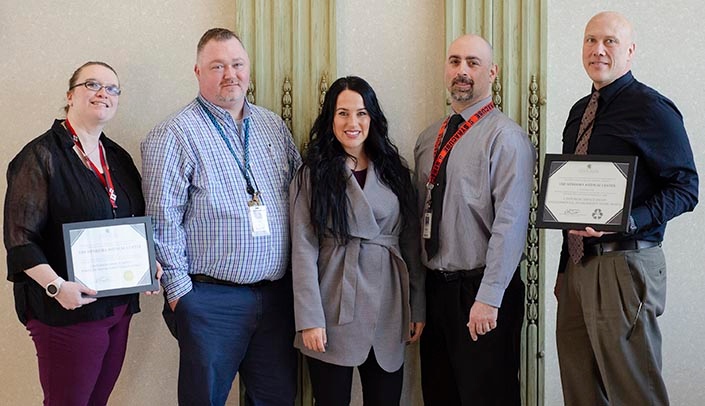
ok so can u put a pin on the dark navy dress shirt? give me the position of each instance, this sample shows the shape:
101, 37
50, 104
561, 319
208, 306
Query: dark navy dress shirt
634, 119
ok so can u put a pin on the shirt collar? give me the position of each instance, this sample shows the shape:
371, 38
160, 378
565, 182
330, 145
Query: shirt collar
468, 112
67, 140
222, 114
609, 91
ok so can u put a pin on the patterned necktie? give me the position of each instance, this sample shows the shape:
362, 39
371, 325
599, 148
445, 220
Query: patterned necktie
575, 242
439, 189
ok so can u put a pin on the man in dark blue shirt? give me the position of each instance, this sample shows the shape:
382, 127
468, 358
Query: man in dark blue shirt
610, 294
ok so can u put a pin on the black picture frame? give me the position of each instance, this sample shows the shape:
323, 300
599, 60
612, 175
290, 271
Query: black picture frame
579, 191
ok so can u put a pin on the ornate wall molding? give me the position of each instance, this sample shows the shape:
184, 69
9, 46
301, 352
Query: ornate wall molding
251, 91
497, 92
322, 89
286, 102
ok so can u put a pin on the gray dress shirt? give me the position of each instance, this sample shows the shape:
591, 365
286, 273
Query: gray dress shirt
489, 178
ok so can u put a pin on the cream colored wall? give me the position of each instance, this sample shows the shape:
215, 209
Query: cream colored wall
398, 46
669, 57
152, 47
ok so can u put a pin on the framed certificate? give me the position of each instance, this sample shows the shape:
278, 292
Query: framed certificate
113, 257
579, 191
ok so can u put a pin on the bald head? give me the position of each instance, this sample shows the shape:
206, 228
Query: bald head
471, 41
608, 47
469, 71
614, 20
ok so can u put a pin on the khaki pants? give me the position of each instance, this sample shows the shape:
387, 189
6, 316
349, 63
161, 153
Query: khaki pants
609, 342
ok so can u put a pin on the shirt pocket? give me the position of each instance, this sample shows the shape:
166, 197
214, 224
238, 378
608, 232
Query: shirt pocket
467, 180
278, 164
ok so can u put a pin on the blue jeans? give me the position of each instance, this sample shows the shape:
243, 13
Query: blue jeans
223, 330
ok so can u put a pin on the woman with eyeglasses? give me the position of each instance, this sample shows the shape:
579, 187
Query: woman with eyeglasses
357, 278
71, 173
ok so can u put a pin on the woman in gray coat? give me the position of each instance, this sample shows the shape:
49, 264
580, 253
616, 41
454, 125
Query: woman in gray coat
358, 283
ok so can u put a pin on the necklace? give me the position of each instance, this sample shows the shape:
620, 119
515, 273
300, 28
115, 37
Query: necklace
80, 149
92, 151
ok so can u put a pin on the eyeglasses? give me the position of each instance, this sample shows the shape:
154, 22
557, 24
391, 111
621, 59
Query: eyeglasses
94, 86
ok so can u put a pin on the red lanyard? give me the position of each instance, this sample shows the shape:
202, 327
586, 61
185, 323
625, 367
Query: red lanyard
105, 179
441, 156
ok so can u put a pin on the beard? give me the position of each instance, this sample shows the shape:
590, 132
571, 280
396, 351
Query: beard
230, 94
462, 96
229, 97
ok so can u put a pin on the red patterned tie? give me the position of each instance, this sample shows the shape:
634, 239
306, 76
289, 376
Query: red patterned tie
575, 242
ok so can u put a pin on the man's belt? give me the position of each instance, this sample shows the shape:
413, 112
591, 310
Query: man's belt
450, 276
199, 277
623, 245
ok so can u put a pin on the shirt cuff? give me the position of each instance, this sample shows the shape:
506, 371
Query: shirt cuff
490, 295
24, 257
641, 216
176, 286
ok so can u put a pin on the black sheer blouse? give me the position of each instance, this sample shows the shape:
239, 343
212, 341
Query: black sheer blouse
48, 185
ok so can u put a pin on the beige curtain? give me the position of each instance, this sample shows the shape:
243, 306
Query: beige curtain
292, 47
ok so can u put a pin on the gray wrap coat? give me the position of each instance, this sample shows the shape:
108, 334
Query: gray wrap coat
365, 292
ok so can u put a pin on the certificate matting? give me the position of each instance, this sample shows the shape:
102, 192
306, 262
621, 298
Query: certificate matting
579, 191
113, 257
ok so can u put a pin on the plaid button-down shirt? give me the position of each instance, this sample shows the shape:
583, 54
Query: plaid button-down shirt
196, 195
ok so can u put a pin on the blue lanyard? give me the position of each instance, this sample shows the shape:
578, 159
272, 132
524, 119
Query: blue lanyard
244, 169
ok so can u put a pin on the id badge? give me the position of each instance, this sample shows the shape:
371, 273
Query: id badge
258, 221
427, 215
427, 219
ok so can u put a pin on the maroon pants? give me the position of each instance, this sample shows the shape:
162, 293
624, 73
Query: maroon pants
79, 364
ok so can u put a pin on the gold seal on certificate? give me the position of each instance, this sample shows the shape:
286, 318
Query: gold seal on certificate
579, 191
113, 257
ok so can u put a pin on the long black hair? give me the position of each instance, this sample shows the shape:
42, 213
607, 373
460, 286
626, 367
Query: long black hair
324, 159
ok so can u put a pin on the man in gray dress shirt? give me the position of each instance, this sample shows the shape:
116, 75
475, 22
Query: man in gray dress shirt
474, 189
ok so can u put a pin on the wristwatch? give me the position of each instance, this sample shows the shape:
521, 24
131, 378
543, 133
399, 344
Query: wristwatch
631, 225
54, 287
